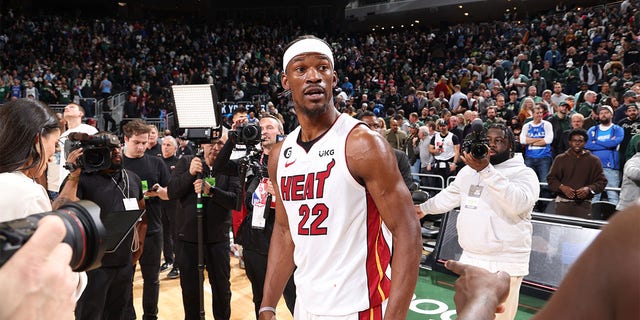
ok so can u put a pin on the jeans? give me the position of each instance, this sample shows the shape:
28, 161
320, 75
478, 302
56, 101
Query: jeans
613, 181
541, 167
415, 168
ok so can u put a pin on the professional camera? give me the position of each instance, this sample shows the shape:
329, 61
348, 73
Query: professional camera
96, 154
85, 234
476, 142
249, 135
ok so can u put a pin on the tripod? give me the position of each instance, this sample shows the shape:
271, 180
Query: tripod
200, 231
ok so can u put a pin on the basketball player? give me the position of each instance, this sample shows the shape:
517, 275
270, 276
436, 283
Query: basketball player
340, 200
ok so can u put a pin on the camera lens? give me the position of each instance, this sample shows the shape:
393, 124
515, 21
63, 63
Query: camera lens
251, 134
85, 234
479, 151
93, 157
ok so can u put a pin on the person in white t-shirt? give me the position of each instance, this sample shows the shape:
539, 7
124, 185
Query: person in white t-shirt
56, 173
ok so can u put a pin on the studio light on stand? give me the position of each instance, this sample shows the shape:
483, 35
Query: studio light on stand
199, 118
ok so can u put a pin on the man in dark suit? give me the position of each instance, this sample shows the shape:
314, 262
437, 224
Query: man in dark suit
219, 193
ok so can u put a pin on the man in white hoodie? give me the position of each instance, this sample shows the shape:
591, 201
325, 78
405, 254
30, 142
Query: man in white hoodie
496, 195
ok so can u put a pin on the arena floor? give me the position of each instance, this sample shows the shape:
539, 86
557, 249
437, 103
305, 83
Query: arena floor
433, 298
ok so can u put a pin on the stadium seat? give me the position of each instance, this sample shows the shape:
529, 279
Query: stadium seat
602, 210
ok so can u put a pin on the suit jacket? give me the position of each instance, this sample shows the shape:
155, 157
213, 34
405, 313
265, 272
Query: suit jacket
217, 208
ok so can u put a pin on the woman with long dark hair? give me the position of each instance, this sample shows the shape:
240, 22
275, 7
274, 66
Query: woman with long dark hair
29, 132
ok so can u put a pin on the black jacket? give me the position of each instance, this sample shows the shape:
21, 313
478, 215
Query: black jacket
217, 216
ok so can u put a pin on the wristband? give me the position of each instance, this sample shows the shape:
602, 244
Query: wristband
263, 309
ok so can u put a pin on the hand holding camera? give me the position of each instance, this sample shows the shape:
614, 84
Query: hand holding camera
72, 162
195, 167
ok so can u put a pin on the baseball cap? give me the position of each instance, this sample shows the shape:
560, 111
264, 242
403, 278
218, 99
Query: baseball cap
605, 107
569, 63
563, 103
441, 122
630, 94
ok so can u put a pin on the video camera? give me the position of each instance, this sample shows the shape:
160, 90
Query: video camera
476, 142
96, 154
249, 135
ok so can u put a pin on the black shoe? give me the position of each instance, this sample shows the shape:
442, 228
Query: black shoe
165, 266
174, 273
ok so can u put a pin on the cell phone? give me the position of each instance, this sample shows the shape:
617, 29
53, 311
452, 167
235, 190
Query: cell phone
280, 137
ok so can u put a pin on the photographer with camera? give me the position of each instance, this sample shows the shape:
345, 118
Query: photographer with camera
255, 231
154, 176
220, 192
496, 193
113, 189
29, 132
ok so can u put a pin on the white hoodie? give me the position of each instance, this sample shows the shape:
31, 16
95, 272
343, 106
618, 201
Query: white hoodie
494, 229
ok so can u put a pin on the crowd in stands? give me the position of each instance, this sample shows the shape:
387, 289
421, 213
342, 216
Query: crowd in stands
568, 62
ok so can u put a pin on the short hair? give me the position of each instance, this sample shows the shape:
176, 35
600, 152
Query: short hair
508, 133
171, 139
366, 114
577, 115
280, 125
135, 127
578, 132
81, 108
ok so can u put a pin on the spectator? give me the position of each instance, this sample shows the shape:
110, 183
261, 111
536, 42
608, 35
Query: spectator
537, 135
604, 139
445, 148
576, 176
630, 190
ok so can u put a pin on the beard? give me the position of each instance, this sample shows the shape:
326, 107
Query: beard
605, 121
499, 158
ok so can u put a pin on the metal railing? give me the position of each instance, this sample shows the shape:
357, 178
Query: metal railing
441, 185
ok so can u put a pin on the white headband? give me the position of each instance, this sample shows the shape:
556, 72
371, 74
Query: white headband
304, 46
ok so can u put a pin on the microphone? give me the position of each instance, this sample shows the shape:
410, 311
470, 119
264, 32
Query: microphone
477, 125
78, 136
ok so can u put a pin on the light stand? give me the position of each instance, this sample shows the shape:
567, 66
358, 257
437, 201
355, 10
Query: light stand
198, 115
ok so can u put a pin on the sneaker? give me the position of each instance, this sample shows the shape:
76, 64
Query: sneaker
165, 266
174, 273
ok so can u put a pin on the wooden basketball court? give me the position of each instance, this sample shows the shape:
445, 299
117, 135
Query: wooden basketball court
170, 301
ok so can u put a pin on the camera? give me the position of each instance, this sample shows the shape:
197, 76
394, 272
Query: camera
249, 135
85, 234
476, 142
96, 154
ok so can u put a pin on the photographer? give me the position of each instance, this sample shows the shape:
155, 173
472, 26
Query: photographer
255, 231
113, 189
220, 194
29, 132
496, 195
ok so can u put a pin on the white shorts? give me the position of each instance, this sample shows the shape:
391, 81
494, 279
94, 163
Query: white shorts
375, 313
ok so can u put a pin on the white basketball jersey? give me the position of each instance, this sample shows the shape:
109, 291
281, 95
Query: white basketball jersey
342, 248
